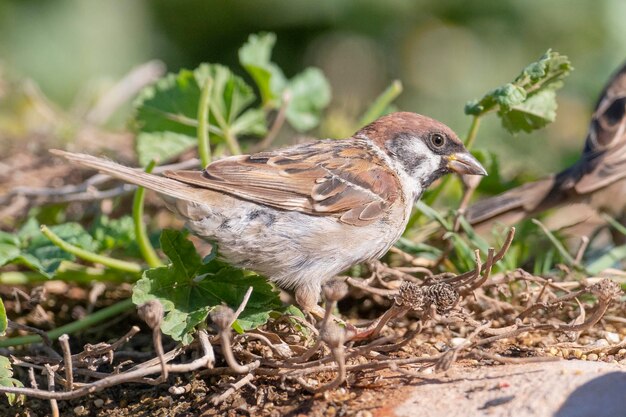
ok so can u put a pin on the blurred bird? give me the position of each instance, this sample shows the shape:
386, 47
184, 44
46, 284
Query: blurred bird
598, 179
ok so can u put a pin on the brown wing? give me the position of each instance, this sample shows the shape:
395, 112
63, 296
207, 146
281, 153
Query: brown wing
605, 149
341, 178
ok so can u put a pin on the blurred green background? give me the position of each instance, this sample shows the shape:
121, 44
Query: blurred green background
445, 52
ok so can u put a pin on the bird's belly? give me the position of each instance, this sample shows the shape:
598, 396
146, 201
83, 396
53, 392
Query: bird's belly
291, 248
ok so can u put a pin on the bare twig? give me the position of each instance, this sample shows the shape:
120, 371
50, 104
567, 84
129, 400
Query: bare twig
152, 313
242, 305
276, 126
67, 361
86, 191
53, 402
18, 326
124, 90
223, 317
584, 243
497, 257
218, 399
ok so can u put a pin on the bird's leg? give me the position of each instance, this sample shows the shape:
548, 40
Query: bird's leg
308, 298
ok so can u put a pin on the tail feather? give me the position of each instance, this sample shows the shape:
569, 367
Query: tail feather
157, 183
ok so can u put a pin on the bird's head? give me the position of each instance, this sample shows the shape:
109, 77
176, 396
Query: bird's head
424, 148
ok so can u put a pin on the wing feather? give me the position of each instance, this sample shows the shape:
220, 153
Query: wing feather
342, 178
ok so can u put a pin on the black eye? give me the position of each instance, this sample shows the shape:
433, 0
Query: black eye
437, 140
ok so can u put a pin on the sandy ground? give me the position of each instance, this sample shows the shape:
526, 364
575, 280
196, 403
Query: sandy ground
559, 389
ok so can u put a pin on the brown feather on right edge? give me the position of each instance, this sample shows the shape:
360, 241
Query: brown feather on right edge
603, 162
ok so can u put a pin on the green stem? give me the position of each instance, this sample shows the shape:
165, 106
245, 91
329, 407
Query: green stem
381, 103
204, 144
473, 131
231, 140
145, 247
68, 272
90, 256
73, 327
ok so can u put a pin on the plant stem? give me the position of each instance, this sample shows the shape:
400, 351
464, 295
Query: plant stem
67, 272
90, 256
231, 140
381, 103
145, 247
73, 327
473, 130
204, 143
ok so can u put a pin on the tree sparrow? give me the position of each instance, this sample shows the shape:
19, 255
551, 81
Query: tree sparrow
302, 214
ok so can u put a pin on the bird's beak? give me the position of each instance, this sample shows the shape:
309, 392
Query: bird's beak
464, 163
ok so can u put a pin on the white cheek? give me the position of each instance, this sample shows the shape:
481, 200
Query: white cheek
427, 162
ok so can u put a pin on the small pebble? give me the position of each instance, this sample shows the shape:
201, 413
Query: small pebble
428, 370
80, 410
457, 341
621, 352
176, 390
577, 353
612, 337
600, 343
583, 358
565, 352
553, 351
364, 413
592, 357
98, 402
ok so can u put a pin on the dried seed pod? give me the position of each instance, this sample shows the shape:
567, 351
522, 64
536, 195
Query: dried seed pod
152, 313
606, 290
410, 295
222, 316
442, 295
335, 290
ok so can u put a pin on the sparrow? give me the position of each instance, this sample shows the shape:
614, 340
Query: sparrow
302, 214
597, 179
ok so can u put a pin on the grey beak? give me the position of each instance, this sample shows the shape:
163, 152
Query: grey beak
464, 163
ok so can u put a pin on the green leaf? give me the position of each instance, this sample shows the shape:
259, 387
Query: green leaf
536, 112
529, 102
255, 57
309, 91
7, 380
310, 94
161, 146
43, 256
9, 247
112, 234
29, 247
4, 323
166, 112
188, 289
